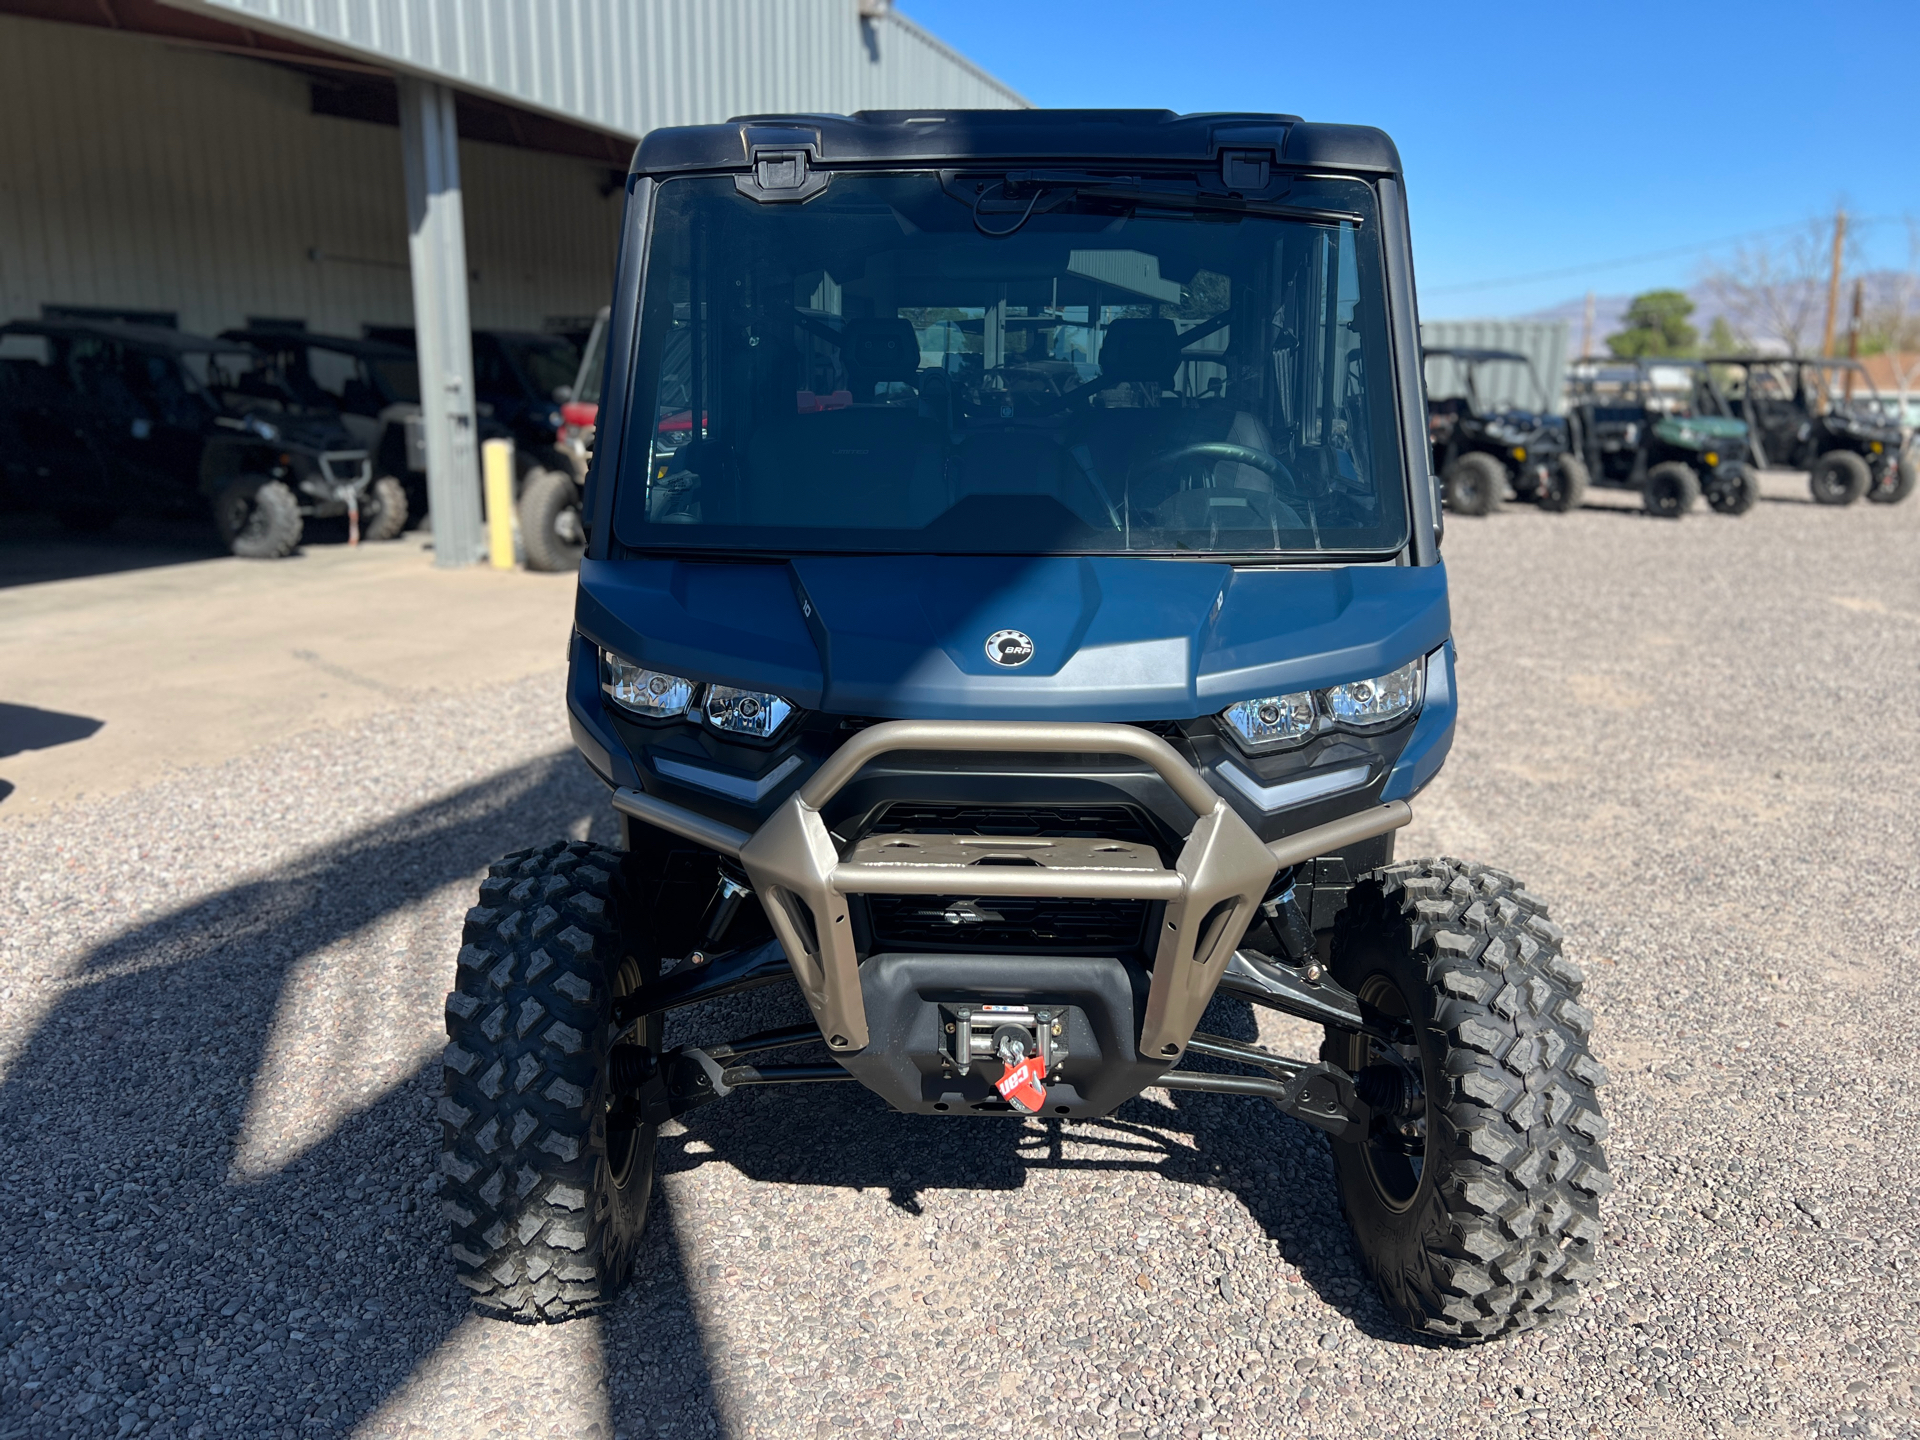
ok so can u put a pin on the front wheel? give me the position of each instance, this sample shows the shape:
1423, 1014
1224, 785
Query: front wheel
258, 519
1474, 1194
1733, 490
1671, 490
546, 1187
1475, 484
1838, 477
383, 510
551, 531
1566, 487
1896, 483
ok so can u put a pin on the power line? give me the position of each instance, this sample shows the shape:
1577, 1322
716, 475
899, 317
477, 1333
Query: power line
1573, 272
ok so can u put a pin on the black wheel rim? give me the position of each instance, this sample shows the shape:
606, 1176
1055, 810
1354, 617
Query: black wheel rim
628, 1143
1396, 1147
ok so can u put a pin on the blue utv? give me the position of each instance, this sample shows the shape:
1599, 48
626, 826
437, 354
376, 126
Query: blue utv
1012, 614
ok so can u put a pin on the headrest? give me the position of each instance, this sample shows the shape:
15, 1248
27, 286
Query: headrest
876, 350
1141, 350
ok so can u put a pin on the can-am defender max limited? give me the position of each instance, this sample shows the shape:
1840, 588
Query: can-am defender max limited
1012, 613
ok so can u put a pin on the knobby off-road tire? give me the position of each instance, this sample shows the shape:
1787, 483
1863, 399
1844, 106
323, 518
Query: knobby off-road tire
1566, 487
550, 522
258, 519
383, 512
1671, 490
1493, 1227
1838, 477
1896, 484
1733, 491
1475, 484
544, 1202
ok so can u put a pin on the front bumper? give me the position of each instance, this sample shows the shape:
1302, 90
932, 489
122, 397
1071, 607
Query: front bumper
1209, 896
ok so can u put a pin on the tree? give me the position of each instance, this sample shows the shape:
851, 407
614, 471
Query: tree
1656, 324
1773, 291
1723, 339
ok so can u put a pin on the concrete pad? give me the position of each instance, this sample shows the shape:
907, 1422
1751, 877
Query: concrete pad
110, 681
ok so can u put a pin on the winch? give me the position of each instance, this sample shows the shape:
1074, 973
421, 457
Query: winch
1029, 1042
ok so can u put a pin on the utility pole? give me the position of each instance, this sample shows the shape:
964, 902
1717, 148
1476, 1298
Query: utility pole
1586, 330
1853, 328
1833, 280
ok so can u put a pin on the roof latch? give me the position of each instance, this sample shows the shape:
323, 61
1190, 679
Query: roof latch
1245, 169
781, 176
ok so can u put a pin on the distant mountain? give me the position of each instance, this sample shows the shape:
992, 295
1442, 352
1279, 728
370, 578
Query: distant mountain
1609, 311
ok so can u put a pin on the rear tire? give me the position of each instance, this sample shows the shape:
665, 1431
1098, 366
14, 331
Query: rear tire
1478, 1215
1733, 491
544, 1201
258, 519
1897, 485
1838, 477
1475, 484
383, 510
551, 532
1566, 487
1671, 490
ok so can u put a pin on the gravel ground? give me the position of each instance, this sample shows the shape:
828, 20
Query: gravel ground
220, 1008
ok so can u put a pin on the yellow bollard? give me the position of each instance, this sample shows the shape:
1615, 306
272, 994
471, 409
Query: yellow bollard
496, 463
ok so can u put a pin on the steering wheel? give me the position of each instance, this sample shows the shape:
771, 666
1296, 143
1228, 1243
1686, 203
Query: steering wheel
1216, 450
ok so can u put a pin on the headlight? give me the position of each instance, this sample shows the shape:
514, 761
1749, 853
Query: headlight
261, 428
745, 712
555, 419
652, 693
1279, 722
1275, 722
1376, 704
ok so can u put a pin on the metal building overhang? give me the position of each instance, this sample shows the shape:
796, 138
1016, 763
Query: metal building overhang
344, 85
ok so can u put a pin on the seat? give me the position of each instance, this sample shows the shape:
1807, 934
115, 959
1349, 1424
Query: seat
876, 352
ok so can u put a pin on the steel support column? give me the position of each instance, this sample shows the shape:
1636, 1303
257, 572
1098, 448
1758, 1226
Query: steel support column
437, 248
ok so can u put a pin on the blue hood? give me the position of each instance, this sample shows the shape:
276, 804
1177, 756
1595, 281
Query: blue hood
1115, 638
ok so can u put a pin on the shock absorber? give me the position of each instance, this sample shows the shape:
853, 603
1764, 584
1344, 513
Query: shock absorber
728, 893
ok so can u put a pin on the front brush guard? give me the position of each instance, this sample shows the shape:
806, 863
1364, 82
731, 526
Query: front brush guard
1211, 893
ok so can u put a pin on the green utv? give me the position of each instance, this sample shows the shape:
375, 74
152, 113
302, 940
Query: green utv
1660, 427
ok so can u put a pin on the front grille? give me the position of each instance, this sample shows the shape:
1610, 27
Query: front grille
1027, 925
1092, 822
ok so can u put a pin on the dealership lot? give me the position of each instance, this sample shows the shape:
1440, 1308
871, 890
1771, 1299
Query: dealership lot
227, 917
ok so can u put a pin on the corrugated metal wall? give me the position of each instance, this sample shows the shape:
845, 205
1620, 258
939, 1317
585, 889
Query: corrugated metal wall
137, 174
1501, 386
631, 65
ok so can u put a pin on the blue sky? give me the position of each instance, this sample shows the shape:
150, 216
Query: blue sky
1536, 137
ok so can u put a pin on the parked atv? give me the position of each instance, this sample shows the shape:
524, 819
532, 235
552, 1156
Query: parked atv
1804, 416
1660, 427
1480, 454
551, 530
141, 419
375, 390
521, 379
1010, 718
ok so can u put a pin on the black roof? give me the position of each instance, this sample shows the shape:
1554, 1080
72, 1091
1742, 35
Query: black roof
1839, 362
1472, 357
153, 337
346, 345
966, 136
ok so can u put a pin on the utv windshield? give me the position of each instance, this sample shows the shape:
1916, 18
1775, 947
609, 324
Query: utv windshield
871, 372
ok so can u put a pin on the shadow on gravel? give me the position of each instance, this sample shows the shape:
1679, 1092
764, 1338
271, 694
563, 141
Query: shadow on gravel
842, 1135
140, 1284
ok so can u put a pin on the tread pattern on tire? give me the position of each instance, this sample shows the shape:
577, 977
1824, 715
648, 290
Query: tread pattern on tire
1522, 1192
384, 513
269, 524
522, 1135
1475, 484
1568, 488
1899, 484
544, 495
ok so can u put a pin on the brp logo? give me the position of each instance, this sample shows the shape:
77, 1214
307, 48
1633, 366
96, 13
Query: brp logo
1009, 648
